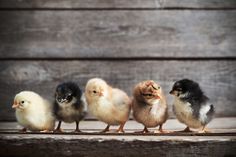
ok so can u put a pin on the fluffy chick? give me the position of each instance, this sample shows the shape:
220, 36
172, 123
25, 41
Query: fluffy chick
191, 106
149, 105
70, 105
110, 105
33, 112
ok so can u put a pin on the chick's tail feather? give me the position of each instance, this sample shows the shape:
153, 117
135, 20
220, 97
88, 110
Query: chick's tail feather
212, 110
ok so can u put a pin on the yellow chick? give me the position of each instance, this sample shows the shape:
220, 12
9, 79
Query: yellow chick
33, 112
110, 105
149, 105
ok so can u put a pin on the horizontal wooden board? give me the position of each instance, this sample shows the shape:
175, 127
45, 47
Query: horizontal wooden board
80, 4
152, 4
117, 34
92, 127
217, 78
106, 146
207, 4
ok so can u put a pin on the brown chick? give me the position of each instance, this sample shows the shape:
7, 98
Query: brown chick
110, 105
149, 105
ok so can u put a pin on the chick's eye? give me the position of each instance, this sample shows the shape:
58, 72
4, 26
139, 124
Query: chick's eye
94, 91
147, 94
22, 102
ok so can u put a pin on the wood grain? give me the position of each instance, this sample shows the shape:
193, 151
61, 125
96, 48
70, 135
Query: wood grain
217, 78
207, 4
80, 4
223, 126
90, 142
149, 4
132, 146
117, 34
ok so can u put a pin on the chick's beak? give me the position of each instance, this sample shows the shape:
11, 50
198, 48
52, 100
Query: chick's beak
157, 97
100, 94
173, 92
15, 105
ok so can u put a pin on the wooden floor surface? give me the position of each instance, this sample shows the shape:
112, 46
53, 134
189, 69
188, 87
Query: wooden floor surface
90, 142
216, 126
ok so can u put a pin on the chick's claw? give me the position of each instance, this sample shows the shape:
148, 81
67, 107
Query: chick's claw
187, 129
58, 131
160, 130
77, 131
106, 129
204, 130
144, 131
24, 130
121, 129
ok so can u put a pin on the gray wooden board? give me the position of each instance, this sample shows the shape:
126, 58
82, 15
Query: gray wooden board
80, 4
132, 146
153, 4
216, 126
117, 34
92, 143
217, 78
198, 4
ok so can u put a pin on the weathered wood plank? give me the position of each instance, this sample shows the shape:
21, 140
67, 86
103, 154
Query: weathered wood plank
117, 34
207, 4
217, 126
132, 146
81, 4
217, 78
149, 4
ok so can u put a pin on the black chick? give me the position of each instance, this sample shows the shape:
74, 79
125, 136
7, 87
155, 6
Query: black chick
69, 105
191, 106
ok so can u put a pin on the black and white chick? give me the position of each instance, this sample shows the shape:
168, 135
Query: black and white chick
191, 105
70, 105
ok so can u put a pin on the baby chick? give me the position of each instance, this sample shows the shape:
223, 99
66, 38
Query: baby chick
149, 105
69, 105
110, 105
33, 112
191, 106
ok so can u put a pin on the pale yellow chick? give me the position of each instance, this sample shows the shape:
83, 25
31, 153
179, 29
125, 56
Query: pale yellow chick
110, 105
33, 112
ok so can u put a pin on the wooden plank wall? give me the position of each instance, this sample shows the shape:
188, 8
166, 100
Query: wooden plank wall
45, 42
